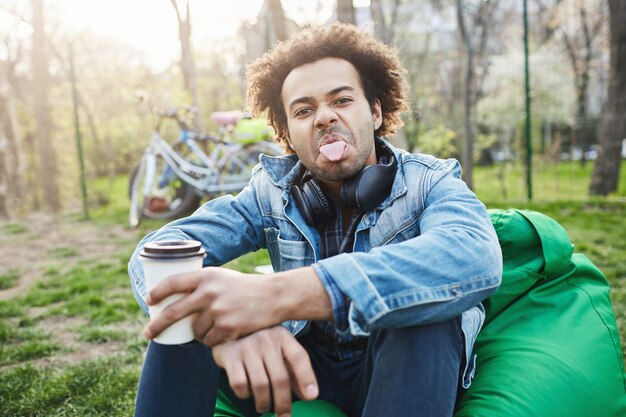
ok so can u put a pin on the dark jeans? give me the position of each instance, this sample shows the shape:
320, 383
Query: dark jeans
411, 371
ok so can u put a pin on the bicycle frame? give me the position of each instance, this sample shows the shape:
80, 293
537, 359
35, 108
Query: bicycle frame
205, 178
170, 180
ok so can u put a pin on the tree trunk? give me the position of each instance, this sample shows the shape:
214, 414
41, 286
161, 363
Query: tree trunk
345, 11
278, 20
605, 176
581, 116
47, 165
187, 64
581, 65
468, 145
5, 158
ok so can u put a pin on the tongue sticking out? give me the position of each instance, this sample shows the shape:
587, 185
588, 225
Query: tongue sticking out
333, 151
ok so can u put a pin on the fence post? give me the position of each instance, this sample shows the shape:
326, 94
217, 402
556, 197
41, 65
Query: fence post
529, 146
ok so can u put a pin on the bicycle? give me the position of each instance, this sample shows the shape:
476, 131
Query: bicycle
171, 180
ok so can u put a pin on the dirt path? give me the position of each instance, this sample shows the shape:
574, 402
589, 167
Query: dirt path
39, 242
29, 250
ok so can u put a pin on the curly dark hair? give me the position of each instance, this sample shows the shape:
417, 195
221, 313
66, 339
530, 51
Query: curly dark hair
377, 64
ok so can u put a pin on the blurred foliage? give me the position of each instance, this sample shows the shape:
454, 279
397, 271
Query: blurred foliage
115, 126
437, 141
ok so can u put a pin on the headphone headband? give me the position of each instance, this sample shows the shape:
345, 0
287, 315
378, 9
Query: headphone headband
364, 191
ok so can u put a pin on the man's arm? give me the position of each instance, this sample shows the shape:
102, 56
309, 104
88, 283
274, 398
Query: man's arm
227, 304
227, 228
451, 264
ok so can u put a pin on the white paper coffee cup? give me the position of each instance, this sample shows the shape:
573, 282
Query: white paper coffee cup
160, 261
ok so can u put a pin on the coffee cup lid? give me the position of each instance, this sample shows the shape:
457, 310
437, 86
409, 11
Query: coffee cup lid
172, 249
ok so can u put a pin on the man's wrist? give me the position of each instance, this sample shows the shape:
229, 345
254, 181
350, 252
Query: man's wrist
339, 301
302, 296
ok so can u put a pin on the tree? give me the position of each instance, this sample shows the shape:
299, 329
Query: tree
580, 43
581, 60
11, 141
383, 30
11, 160
187, 63
480, 24
278, 20
605, 176
47, 166
345, 11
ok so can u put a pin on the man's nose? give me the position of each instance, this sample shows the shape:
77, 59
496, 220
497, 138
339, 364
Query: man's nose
325, 117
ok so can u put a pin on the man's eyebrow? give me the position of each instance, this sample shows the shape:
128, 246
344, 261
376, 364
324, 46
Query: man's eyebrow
308, 99
300, 100
338, 90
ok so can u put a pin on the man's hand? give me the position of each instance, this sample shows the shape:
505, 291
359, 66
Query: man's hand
268, 363
227, 304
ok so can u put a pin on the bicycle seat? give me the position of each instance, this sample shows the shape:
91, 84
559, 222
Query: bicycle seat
227, 118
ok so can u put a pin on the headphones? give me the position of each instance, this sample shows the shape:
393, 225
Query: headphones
364, 191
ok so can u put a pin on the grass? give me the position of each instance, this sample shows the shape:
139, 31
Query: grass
8, 279
101, 388
551, 182
14, 228
95, 296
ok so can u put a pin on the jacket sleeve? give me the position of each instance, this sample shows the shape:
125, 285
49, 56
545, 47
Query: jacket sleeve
451, 266
227, 227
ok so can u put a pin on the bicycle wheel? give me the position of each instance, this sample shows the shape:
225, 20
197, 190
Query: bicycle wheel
157, 193
135, 194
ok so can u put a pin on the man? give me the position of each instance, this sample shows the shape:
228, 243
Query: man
382, 257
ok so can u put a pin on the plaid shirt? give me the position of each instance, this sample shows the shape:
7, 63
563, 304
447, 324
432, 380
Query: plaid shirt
339, 346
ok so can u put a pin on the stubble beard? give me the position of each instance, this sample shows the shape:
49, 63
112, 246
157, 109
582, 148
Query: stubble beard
343, 169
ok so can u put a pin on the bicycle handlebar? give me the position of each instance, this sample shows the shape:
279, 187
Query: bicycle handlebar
211, 138
180, 115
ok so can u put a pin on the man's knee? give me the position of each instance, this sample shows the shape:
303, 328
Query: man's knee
436, 338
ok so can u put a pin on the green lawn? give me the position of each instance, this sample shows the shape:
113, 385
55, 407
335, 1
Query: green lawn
88, 300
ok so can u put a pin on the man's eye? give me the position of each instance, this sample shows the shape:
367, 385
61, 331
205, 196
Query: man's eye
302, 112
343, 100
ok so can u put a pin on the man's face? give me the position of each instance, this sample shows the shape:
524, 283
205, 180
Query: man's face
331, 124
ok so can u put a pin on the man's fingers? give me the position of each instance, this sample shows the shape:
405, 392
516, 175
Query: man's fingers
167, 317
215, 337
259, 382
202, 323
303, 377
238, 379
225, 357
281, 385
280, 381
179, 283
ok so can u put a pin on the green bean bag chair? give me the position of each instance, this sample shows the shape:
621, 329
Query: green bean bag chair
225, 408
550, 345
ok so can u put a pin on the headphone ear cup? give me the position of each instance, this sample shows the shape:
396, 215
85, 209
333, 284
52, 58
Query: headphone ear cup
303, 206
312, 201
370, 187
349, 189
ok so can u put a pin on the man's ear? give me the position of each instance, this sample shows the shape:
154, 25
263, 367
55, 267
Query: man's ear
377, 114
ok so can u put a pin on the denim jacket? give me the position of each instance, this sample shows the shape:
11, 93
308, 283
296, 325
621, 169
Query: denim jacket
427, 253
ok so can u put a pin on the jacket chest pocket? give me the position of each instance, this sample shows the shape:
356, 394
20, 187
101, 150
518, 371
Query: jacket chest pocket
396, 230
286, 254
